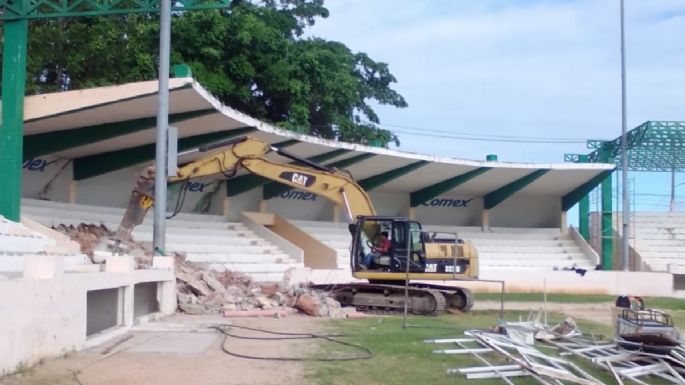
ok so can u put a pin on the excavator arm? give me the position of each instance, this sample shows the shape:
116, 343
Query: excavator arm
250, 154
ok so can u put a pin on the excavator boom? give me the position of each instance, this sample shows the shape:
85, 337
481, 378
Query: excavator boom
251, 154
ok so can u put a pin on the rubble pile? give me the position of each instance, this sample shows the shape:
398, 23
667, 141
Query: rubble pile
201, 291
96, 243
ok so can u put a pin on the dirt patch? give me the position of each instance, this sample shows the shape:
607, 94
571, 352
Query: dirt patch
182, 365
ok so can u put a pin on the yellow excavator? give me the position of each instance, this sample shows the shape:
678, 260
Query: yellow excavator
409, 254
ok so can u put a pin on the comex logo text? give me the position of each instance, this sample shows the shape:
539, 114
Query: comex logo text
37, 164
447, 202
299, 195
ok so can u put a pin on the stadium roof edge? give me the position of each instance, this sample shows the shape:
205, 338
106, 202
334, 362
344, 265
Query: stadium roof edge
66, 114
266, 127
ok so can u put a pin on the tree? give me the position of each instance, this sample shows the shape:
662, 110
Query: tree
251, 56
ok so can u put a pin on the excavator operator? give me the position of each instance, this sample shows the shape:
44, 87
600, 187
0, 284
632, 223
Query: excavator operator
376, 251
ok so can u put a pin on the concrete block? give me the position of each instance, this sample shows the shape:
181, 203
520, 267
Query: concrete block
163, 263
43, 266
120, 264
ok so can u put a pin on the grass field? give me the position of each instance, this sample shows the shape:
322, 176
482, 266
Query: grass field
650, 302
401, 357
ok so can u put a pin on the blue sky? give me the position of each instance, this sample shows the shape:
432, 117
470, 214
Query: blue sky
523, 68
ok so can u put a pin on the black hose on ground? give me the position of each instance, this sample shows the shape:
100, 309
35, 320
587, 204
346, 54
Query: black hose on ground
223, 329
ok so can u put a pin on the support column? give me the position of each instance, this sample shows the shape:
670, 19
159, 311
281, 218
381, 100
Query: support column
584, 217
336, 213
584, 210
485, 220
607, 217
12, 127
227, 206
72, 191
562, 222
671, 207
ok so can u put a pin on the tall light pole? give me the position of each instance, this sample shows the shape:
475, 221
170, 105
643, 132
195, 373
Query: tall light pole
159, 225
624, 148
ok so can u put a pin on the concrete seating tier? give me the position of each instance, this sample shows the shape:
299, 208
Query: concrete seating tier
522, 248
18, 241
202, 238
659, 238
499, 249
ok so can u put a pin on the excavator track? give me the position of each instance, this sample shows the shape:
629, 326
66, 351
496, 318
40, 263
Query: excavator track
424, 299
458, 299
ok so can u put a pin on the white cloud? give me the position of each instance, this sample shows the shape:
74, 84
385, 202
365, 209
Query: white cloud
529, 68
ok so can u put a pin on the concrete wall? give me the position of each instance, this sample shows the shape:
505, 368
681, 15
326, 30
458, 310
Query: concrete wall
527, 211
455, 210
114, 189
297, 204
37, 174
48, 317
247, 201
390, 203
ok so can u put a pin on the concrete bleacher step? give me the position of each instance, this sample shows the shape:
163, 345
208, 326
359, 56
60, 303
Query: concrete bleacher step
18, 241
659, 238
528, 250
24, 243
662, 254
525, 242
221, 247
238, 258
223, 237
251, 268
218, 232
202, 238
515, 268
660, 242
532, 257
663, 249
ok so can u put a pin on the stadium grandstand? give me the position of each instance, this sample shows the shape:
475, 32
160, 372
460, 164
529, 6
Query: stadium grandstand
84, 149
656, 238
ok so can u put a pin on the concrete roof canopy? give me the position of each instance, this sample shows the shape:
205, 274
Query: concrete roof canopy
114, 127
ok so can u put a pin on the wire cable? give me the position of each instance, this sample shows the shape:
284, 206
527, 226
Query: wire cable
180, 200
367, 352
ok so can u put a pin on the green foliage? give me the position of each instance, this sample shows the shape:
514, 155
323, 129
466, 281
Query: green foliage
252, 56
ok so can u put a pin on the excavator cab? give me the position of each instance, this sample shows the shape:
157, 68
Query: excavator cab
371, 233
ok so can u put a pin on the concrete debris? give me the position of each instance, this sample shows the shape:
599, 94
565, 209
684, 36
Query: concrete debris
234, 294
306, 304
213, 283
202, 289
191, 308
95, 241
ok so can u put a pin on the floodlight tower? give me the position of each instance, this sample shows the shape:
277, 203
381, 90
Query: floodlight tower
625, 217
